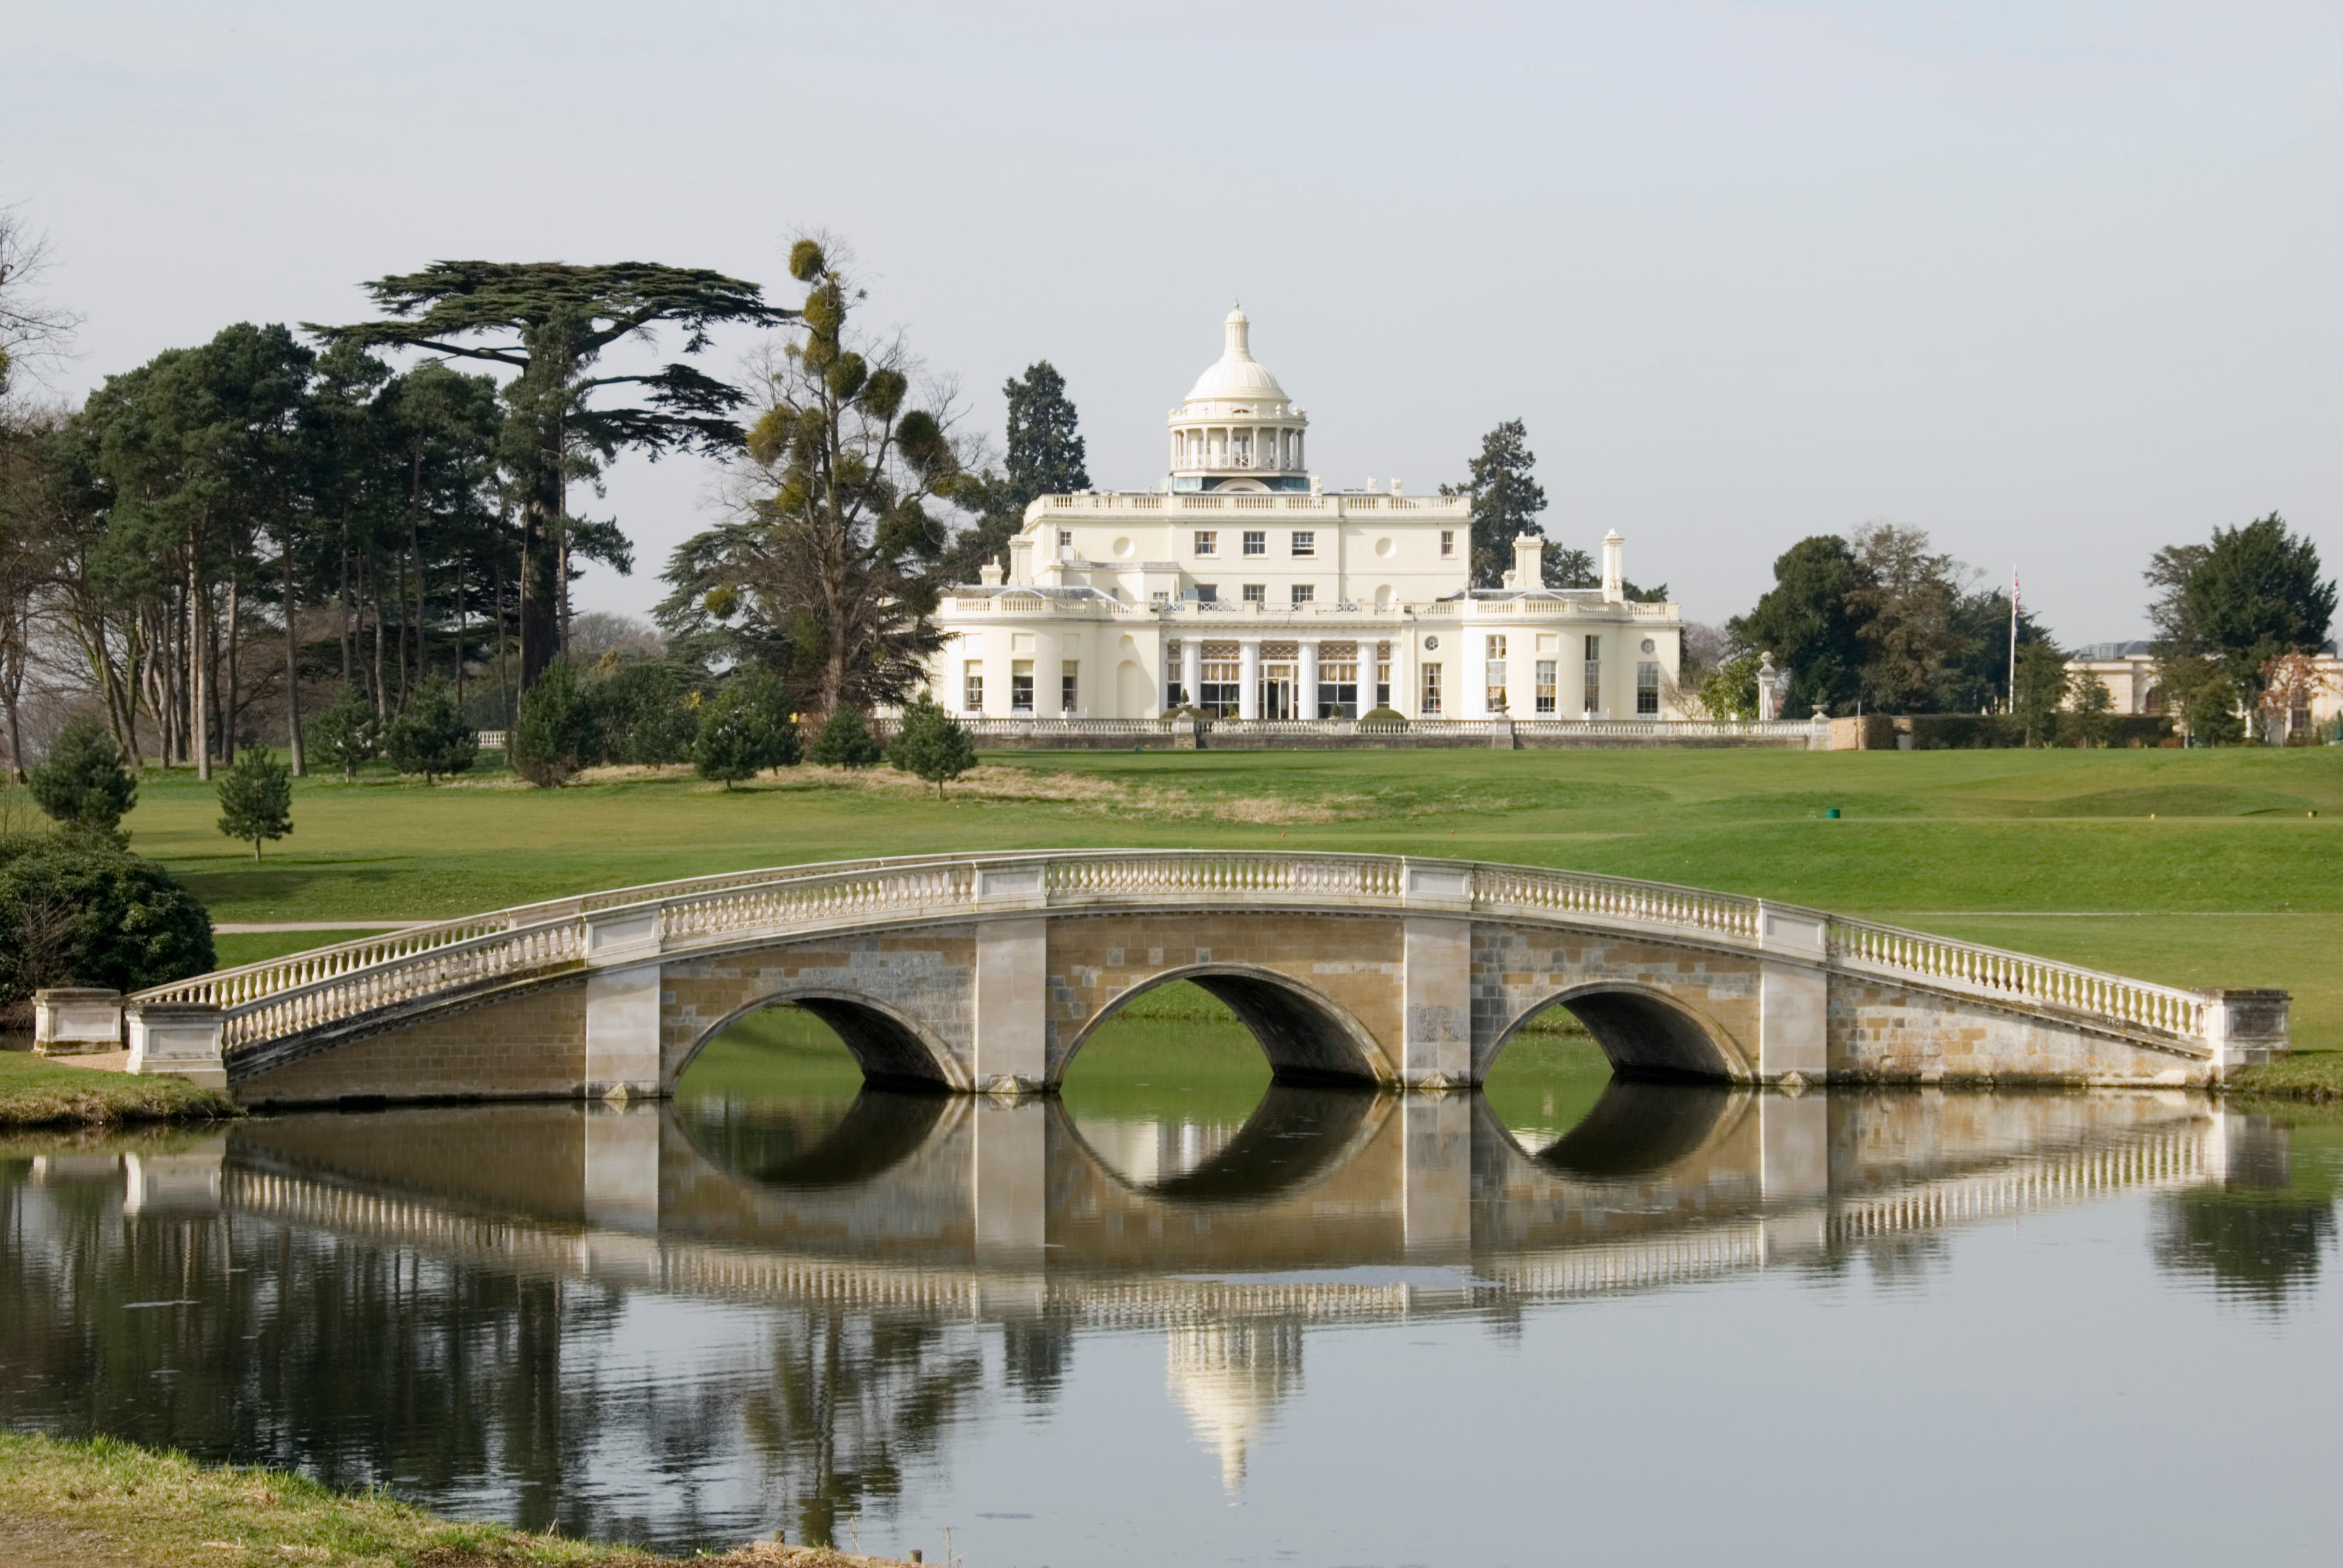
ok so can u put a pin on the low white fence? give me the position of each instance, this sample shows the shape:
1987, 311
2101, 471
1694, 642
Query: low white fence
283, 996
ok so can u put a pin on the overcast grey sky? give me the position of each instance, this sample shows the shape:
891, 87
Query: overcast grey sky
2055, 282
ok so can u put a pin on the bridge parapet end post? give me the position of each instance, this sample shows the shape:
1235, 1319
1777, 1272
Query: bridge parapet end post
178, 1038
1436, 885
74, 1021
2245, 1027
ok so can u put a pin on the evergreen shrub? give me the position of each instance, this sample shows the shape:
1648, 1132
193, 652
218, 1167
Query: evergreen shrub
429, 735
76, 910
85, 781
845, 741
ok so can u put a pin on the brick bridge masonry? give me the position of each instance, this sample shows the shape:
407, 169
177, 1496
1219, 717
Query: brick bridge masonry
988, 973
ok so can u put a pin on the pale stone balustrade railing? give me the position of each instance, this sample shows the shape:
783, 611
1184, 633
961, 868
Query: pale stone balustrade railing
1889, 952
288, 996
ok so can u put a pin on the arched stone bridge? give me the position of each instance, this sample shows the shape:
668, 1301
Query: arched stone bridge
986, 973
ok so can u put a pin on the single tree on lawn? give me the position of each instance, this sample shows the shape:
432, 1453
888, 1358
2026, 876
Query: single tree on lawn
256, 797
2041, 691
741, 732
430, 736
2095, 707
1812, 621
554, 732
347, 733
932, 744
550, 323
826, 574
845, 741
86, 782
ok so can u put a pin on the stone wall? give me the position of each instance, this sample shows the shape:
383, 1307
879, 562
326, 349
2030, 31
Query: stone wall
1518, 970
1881, 1032
527, 1045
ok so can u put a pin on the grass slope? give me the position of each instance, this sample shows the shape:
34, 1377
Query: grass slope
36, 1092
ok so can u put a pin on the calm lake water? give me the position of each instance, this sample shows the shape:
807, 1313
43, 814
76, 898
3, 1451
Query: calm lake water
1180, 1318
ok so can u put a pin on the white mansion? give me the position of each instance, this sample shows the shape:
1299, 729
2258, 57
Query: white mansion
1243, 588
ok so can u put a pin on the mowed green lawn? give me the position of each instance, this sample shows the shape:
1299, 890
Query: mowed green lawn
2193, 867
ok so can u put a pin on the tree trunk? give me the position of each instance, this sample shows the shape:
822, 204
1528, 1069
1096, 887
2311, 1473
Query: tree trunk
381, 690
230, 711
199, 740
292, 669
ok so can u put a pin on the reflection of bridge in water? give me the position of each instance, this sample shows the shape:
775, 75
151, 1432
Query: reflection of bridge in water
907, 1221
1326, 1203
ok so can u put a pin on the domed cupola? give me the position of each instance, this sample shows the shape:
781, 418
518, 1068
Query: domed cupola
1237, 431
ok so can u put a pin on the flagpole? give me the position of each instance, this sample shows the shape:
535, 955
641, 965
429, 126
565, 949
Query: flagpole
2013, 637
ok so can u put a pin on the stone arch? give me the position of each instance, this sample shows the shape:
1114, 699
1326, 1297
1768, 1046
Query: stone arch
893, 1049
1297, 1137
1644, 1031
881, 1128
1307, 1037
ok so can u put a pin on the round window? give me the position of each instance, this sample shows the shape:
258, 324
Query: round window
1123, 549
1431, 645
1384, 548
1650, 646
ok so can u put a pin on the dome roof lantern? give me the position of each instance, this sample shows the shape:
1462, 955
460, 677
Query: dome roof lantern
1236, 376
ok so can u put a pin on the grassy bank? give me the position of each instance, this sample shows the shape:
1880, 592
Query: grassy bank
67, 1504
36, 1092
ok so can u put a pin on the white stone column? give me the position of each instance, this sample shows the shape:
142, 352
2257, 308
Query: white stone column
1792, 995
1436, 1001
1473, 701
1012, 981
1614, 568
1306, 700
622, 1030
1249, 678
1191, 667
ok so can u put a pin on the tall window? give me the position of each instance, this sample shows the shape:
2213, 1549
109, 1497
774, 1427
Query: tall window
1208, 542
1069, 686
1431, 689
1256, 593
1219, 680
1495, 673
1647, 690
1338, 687
972, 687
1065, 538
1448, 541
1383, 675
1303, 593
1545, 685
1021, 686
1256, 543
1593, 675
1305, 542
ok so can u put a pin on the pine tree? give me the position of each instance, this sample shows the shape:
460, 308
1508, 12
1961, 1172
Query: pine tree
845, 742
430, 736
742, 731
347, 733
85, 783
1045, 457
256, 799
932, 745
1505, 500
553, 734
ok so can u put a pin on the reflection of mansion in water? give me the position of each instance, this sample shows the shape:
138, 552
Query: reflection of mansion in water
1243, 588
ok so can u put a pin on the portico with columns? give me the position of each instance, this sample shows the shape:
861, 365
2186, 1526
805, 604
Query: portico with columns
1241, 588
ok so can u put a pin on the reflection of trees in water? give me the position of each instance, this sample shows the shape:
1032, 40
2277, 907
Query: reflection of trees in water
2264, 1248
851, 1398
1035, 1355
463, 1388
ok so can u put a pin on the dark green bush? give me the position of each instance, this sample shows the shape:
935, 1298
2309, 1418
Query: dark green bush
845, 741
554, 733
744, 728
77, 910
639, 716
932, 745
347, 733
429, 735
86, 782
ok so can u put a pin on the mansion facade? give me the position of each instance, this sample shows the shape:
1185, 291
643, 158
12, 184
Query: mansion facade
1241, 587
